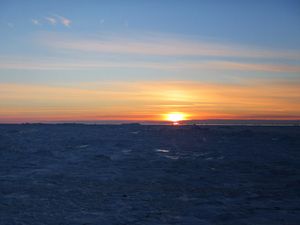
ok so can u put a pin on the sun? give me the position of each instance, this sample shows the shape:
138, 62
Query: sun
175, 117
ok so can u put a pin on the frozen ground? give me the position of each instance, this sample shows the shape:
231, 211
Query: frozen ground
131, 174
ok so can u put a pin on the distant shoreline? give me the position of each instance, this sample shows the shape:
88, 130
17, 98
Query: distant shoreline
182, 123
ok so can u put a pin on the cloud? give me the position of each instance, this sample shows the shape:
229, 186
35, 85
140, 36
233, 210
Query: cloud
50, 64
237, 66
36, 22
102, 21
51, 20
64, 21
54, 19
164, 46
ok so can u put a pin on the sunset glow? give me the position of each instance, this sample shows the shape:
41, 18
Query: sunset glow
59, 63
175, 117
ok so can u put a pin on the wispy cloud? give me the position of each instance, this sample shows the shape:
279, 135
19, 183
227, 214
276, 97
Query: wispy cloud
50, 64
51, 20
64, 21
54, 19
259, 67
36, 22
164, 46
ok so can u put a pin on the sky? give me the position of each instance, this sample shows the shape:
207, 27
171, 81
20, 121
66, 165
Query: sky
140, 60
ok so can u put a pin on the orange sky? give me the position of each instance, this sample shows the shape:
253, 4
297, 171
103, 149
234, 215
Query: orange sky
247, 99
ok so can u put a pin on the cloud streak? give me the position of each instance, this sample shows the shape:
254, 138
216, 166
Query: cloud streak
64, 21
36, 22
161, 46
51, 20
50, 64
54, 19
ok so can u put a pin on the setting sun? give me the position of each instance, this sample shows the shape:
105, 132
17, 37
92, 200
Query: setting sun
175, 117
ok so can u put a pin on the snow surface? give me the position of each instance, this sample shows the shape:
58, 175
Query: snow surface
140, 174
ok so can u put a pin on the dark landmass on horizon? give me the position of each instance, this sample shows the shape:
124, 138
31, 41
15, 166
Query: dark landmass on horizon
185, 122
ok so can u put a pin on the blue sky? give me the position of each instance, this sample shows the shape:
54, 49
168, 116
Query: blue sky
68, 43
262, 25
274, 23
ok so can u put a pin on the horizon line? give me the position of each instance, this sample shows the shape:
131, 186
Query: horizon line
164, 122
